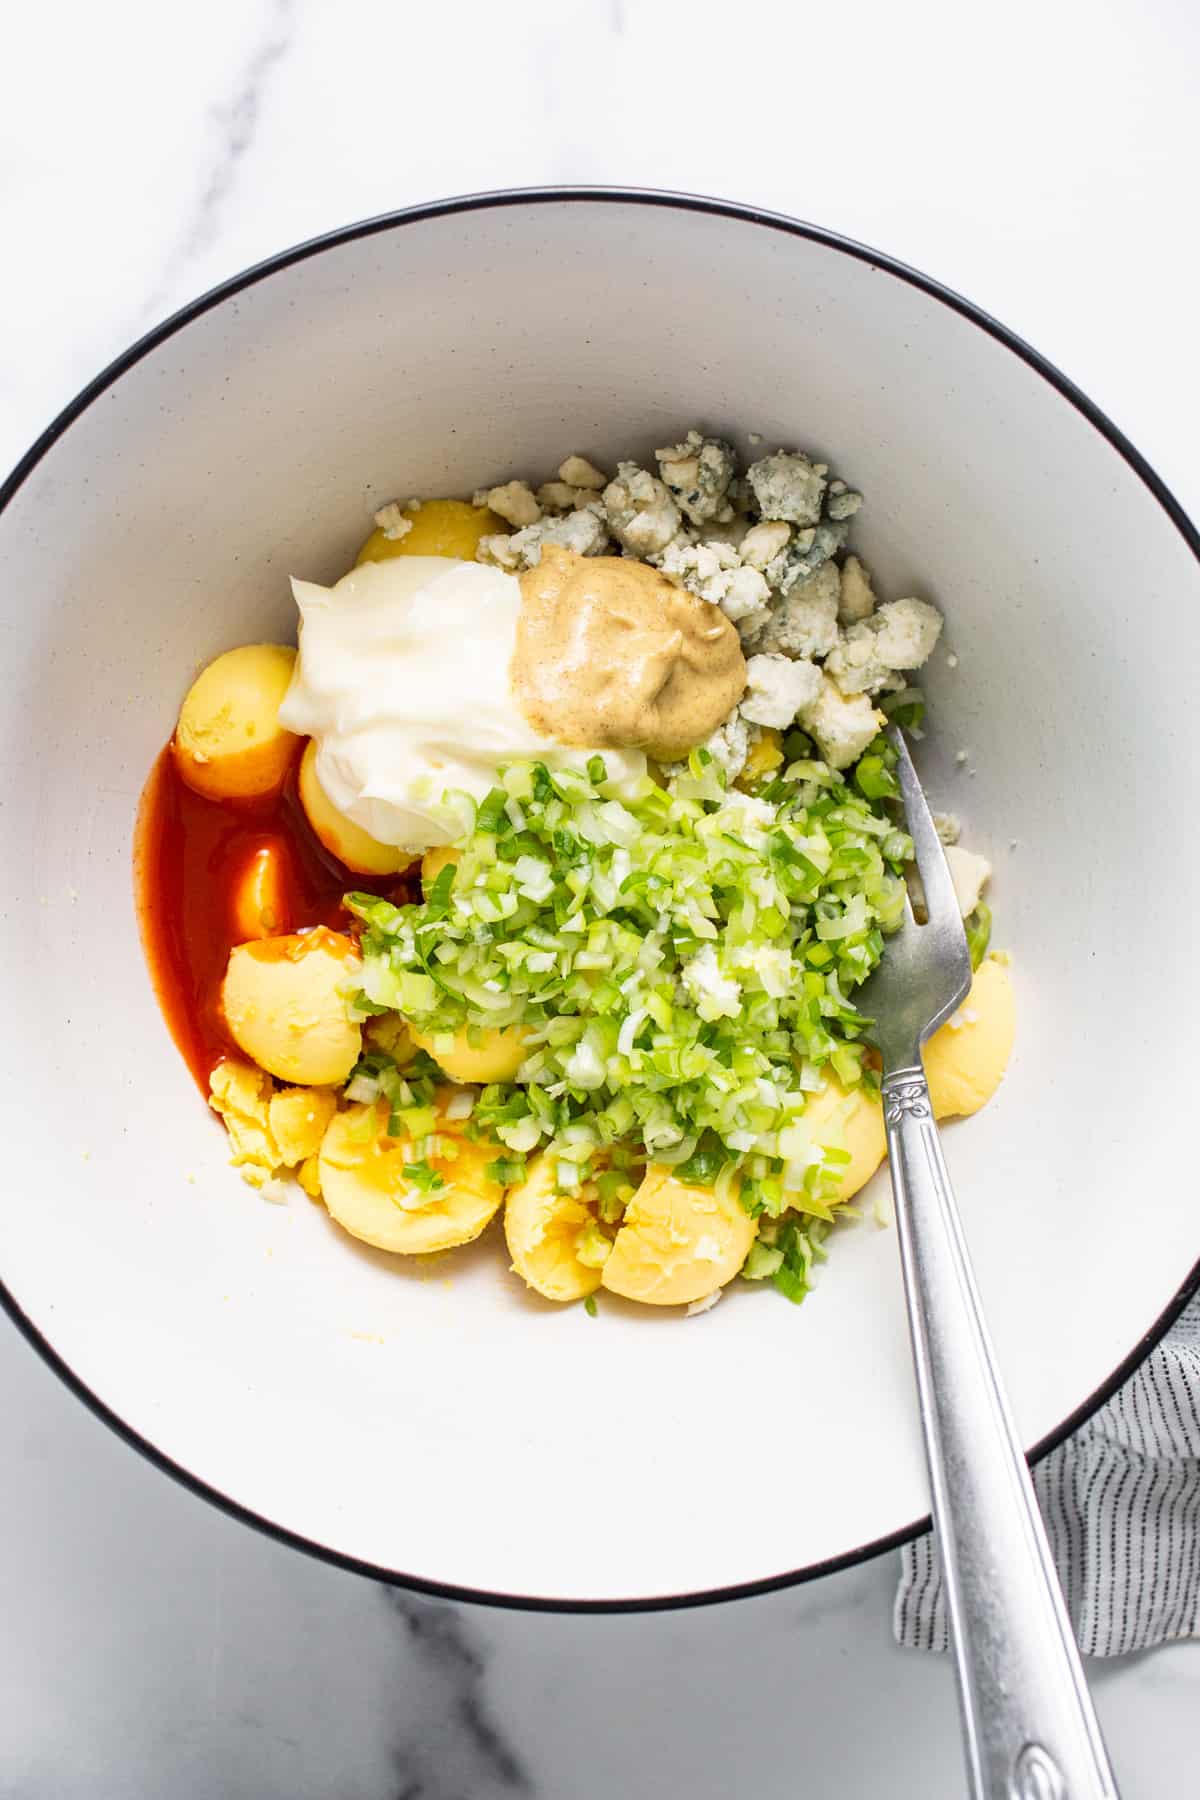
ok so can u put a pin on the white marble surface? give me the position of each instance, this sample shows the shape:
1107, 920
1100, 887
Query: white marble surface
1040, 158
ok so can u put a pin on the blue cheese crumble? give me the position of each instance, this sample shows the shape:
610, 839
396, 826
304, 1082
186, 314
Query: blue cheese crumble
768, 546
698, 473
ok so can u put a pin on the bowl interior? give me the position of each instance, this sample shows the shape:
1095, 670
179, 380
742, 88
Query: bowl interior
435, 1421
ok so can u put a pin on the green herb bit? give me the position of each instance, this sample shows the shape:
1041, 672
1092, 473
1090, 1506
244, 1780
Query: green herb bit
426, 1179
675, 956
906, 709
507, 1171
873, 778
592, 1247
979, 933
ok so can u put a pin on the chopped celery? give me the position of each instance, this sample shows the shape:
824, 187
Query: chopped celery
979, 933
763, 1260
423, 1177
506, 1170
592, 1248
675, 956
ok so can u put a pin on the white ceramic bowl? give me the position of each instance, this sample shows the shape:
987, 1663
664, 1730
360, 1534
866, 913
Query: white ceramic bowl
443, 1428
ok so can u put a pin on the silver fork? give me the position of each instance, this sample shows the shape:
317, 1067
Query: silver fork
1030, 1730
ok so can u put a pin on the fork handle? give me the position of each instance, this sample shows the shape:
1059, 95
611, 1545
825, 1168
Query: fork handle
1029, 1725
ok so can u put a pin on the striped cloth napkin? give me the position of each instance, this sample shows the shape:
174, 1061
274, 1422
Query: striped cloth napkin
1121, 1501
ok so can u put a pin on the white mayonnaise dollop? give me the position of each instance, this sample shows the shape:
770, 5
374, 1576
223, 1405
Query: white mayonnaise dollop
403, 680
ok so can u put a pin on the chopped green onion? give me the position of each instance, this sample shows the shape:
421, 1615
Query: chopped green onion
412, 1121
874, 779
907, 708
506, 1170
979, 933
682, 961
762, 1260
423, 1177
592, 1248
704, 1165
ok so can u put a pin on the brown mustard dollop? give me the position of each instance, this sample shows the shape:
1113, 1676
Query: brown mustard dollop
611, 653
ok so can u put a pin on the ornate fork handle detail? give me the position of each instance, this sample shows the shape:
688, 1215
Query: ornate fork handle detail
1037, 1776
905, 1092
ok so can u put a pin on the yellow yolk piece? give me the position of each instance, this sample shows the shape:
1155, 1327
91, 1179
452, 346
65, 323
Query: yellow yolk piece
389, 1033
366, 1189
299, 1118
241, 1096
497, 1056
541, 1229
284, 1007
268, 1129
965, 1060
766, 754
229, 744
851, 1120
677, 1243
438, 528
309, 1177
260, 905
340, 835
434, 861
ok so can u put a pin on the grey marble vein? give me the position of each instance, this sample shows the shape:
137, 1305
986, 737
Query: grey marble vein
236, 121
455, 1750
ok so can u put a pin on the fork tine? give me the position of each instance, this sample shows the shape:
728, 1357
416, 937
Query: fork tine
910, 917
941, 901
926, 969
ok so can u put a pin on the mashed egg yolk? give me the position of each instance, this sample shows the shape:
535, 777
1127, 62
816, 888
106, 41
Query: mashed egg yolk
677, 1243
965, 1060
367, 1188
542, 1229
270, 1129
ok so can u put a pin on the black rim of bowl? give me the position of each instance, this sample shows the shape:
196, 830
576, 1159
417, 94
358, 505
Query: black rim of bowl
748, 215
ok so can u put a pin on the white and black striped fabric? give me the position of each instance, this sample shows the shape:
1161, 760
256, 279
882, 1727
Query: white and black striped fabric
1121, 1501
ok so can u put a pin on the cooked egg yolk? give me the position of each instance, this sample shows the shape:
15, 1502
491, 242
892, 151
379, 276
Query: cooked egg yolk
677, 1242
542, 1229
229, 744
283, 1004
270, 1129
340, 835
765, 756
367, 1188
965, 1060
435, 528
434, 861
496, 1055
851, 1121
260, 907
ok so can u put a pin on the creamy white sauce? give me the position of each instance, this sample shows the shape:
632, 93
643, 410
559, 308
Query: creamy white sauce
403, 680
